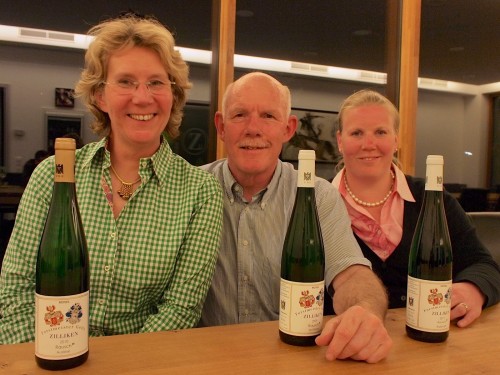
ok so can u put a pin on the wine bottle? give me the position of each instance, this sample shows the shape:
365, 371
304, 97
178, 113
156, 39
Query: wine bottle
428, 301
62, 273
302, 264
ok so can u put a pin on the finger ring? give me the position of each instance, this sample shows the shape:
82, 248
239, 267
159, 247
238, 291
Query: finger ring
466, 306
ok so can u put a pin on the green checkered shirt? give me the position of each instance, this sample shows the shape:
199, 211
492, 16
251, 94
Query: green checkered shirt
150, 268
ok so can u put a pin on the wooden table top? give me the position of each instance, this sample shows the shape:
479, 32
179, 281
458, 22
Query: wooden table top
256, 349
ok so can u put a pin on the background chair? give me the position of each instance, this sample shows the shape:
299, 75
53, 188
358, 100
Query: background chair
453, 187
488, 230
474, 199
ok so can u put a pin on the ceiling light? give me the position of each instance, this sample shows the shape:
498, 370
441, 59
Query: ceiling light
43, 37
23, 35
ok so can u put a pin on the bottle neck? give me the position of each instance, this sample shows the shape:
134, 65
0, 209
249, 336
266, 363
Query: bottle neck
65, 166
306, 175
434, 177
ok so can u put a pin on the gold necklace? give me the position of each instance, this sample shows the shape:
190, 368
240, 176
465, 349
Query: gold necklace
125, 191
369, 204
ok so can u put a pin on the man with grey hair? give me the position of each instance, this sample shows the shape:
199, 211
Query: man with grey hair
259, 192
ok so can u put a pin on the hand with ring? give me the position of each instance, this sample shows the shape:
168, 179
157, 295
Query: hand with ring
466, 303
465, 306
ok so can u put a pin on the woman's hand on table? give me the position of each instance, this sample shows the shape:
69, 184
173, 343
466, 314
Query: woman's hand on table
466, 303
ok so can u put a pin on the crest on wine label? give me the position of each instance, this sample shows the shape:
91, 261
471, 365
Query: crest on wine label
308, 300
447, 296
53, 317
320, 298
307, 176
74, 314
283, 304
435, 298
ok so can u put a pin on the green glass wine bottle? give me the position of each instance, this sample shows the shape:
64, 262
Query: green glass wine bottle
62, 273
428, 301
302, 263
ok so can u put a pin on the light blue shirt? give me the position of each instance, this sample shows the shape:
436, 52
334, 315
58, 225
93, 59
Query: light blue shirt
246, 284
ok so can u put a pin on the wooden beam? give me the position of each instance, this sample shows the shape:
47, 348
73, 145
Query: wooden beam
408, 94
393, 50
222, 67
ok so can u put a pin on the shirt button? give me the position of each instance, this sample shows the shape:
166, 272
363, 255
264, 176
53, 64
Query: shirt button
107, 268
246, 312
403, 298
245, 243
100, 301
112, 235
245, 278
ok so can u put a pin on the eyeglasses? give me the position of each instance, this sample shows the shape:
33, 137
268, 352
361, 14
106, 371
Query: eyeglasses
128, 87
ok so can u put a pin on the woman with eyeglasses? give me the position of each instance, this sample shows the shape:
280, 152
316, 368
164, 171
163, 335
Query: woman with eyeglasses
152, 221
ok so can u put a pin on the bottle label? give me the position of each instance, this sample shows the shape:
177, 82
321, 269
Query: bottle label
65, 166
428, 305
301, 308
434, 177
306, 177
61, 326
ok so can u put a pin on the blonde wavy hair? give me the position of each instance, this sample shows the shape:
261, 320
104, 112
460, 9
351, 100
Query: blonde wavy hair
125, 32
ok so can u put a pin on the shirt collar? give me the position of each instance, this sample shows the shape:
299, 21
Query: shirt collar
229, 181
158, 161
98, 147
232, 187
402, 187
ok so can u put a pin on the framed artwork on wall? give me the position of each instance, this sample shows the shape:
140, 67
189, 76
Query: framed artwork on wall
65, 98
316, 130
